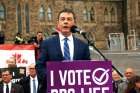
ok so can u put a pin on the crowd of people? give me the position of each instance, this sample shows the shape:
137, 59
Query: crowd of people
33, 83
130, 83
35, 40
63, 46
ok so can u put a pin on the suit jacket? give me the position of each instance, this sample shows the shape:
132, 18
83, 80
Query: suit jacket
51, 51
122, 86
15, 88
25, 82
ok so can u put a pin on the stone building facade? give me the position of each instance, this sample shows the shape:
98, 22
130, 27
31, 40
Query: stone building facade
97, 17
133, 21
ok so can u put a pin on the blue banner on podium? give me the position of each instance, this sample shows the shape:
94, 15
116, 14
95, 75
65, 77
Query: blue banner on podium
79, 77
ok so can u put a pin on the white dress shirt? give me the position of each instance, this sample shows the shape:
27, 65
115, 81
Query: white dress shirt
31, 83
9, 85
70, 43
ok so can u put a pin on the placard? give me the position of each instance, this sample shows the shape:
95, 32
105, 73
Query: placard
79, 77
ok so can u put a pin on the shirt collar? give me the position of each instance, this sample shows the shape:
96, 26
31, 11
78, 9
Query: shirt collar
7, 83
62, 37
33, 78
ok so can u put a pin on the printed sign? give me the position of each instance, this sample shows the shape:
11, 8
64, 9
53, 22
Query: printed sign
16, 55
16, 58
79, 77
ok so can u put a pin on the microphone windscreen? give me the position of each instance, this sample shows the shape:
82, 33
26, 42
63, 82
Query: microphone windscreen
74, 29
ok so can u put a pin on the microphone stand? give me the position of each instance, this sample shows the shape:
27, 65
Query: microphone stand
92, 44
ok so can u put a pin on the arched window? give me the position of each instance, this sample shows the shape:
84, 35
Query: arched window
139, 7
49, 14
2, 12
106, 15
89, 16
19, 18
42, 13
27, 18
112, 14
85, 15
92, 15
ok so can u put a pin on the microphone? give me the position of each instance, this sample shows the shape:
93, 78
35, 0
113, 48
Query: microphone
75, 29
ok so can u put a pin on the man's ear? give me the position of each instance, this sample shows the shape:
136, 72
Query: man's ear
11, 76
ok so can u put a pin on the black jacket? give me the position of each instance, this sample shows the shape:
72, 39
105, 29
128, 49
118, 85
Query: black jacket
25, 82
16, 88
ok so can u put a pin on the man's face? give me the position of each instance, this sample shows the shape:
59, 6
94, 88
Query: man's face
129, 73
115, 76
138, 84
32, 70
6, 77
39, 36
65, 22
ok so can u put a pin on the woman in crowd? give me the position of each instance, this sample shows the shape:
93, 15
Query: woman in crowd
134, 85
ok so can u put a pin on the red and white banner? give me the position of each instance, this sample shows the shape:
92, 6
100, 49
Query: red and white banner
16, 55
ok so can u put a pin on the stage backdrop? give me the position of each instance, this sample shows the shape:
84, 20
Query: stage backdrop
16, 58
79, 77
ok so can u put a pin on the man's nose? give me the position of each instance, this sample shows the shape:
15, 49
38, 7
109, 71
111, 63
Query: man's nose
65, 22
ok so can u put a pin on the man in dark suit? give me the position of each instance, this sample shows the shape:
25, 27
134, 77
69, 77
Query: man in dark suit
53, 49
32, 83
6, 86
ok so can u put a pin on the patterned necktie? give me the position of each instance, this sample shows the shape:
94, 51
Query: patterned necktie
7, 89
66, 49
34, 86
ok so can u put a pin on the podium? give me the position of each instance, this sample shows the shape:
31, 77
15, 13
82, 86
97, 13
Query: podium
79, 77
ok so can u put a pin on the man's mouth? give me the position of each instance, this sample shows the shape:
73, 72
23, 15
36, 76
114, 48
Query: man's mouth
65, 27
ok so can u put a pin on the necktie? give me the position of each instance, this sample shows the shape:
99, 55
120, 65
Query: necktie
34, 86
66, 49
7, 89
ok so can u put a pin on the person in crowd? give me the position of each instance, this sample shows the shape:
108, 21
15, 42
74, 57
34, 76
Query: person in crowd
133, 85
33, 83
6, 86
116, 81
115, 76
129, 73
37, 40
63, 46
2, 37
19, 39
11, 62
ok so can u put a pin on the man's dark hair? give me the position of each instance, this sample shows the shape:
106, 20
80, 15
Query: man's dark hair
66, 10
4, 70
39, 32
